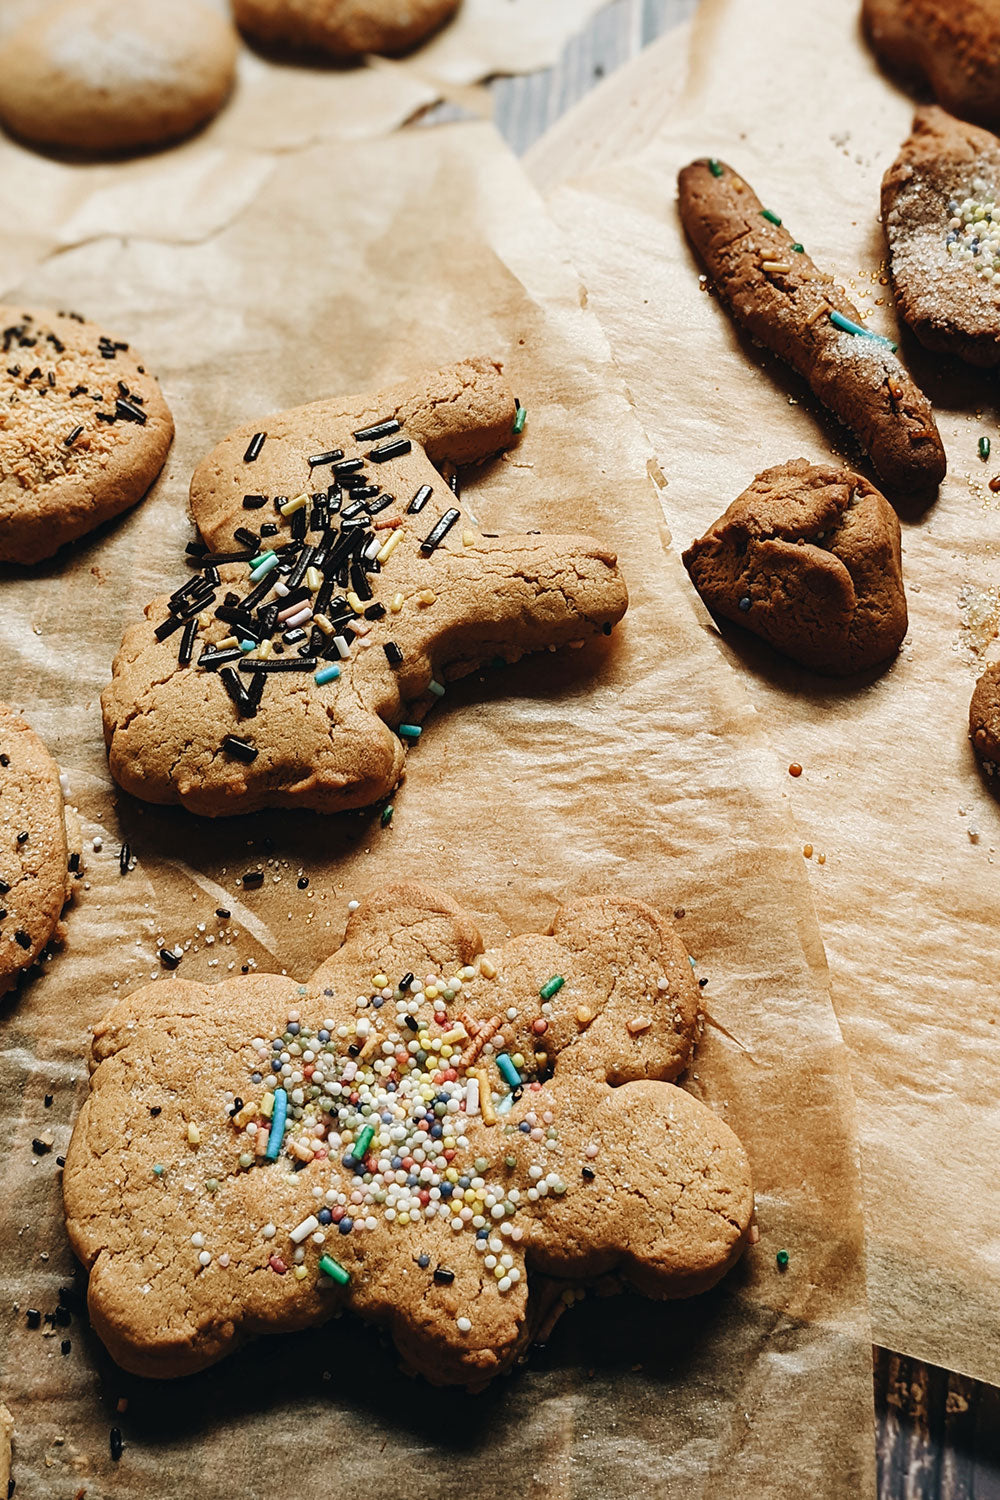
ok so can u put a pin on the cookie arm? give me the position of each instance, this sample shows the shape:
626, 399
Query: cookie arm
789, 306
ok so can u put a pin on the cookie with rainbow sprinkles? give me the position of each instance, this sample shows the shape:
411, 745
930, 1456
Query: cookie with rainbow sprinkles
426, 1133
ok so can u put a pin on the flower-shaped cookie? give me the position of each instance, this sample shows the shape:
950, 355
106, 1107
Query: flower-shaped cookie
296, 664
414, 1134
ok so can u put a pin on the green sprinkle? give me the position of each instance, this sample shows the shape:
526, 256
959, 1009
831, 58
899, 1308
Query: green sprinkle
772, 218
984, 448
435, 688
714, 166
799, 249
519, 418
334, 1270
481, 1163
212, 1183
839, 321
387, 812
364, 1140
158, 1171
246, 1160
510, 1161
552, 987
409, 731
782, 1259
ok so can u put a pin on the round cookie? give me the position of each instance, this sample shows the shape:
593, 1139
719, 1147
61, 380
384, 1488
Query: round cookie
39, 857
424, 1133
951, 45
344, 29
98, 76
84, 431
942, 229
984, 719
808, 558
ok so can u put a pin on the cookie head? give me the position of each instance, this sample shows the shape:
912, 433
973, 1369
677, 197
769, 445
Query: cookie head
92, 76
953, 46
942, 225
343, 29
415, 1134
293, 668
808, 558
84, 431
39, 853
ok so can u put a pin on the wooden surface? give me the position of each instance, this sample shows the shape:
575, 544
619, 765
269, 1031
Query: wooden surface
938, 1432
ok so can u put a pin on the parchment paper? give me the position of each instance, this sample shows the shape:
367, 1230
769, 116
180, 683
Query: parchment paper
890, 794
635, 765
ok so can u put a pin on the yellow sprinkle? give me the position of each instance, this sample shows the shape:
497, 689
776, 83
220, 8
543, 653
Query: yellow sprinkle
447, 1051
541, 1058
229, 641
397, 604
807, 850
301, 1273
314, 579
485, 1098
380, 981
452, 1174
457, 1034
194, 1135
775, 265
389, 547
824, 307
291, 506
487, 969
427, 596
264, 650
322, 623
469, 539
267, 1105
584, 1015
203, 619
821, 859
518, 1060
355, 604
403, 1218
245, 1115
499, 1271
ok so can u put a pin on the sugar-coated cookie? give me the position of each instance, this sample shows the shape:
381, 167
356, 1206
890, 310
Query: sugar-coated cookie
84, 431
952, 45
344, 29
941, 215
99, 76
776, 292
808, 558
415, 1134
294, 668
40, 847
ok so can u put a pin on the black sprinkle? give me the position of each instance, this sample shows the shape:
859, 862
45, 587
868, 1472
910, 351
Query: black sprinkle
255, 445
168, 958
72, 437
254, 502
155, 1109
241, 750
40, 1148
195, 549
169, 625
326, 458
129, 412
606, 629
4, 761
382, 429
437, 534
412, 1023
281, 663
406, 979
237, 692
395, 449
34, 1317
375, 612
349, 466
393, 655
22, 938
23, 837
116, 1443
455, 484
589, 1173
124, 858
253, 880
74, 863
353, 1050
246, 536
443, 1276
65, 1346
223, 913
211, 659
302, 882
63, 1317
702, 983
48, 1100
187, 643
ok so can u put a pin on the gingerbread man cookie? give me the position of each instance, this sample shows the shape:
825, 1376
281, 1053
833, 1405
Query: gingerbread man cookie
344, 29
84, 431
415, 1134
775, 291
97, 76
808, 558
941, 217
294, 670
40, 848
952, 45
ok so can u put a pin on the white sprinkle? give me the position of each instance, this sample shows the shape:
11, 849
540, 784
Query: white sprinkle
303, 1230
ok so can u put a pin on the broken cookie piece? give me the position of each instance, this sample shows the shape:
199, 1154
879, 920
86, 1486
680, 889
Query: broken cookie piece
808, 558
941, 213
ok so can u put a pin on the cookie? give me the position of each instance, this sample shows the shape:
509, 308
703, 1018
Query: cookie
96, 76
40, 848
6, 1442
84, 431
776, 292
942, 228
808, 558
416, 1135
951, 45
984, 719
295, 670
344, 29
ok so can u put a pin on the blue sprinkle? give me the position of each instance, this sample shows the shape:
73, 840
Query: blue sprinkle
345, 1226
277, 1134
423, 1261
507, 1068
325, 1216
745, 603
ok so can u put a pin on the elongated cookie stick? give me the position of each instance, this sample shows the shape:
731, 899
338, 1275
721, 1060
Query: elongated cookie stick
798, 311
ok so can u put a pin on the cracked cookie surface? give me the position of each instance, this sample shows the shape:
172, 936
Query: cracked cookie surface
345, 29
941, 216
782, 298
416, 1134
808, 558
39, 847
294, 673
96, 76
84, 431
952, 45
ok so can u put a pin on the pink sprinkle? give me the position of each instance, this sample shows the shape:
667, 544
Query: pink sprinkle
591, 1151
224, 1259
277, 1264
